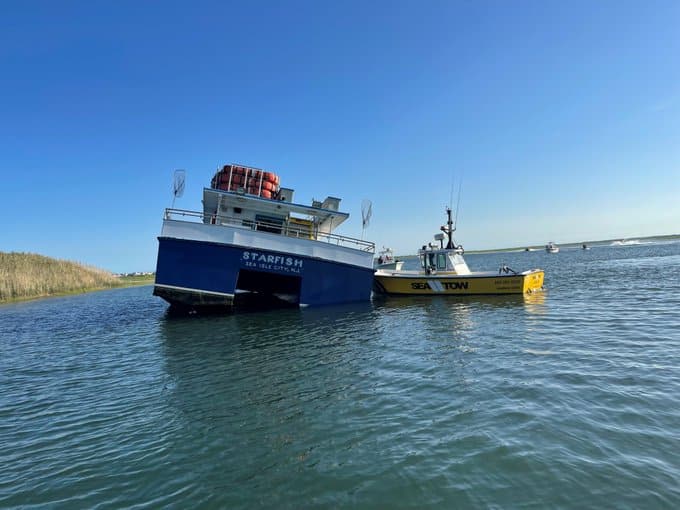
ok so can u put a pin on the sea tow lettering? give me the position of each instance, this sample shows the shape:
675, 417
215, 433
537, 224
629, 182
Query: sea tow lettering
271, 262
444, 285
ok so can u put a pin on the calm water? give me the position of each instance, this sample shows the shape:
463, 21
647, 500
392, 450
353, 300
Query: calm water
566, 399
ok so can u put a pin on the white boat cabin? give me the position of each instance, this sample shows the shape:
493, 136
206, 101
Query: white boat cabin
442, 260
279, 216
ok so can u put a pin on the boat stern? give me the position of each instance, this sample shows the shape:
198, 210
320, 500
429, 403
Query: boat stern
533, 280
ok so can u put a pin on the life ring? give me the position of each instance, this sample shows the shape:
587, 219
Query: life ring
271, 177
258, 183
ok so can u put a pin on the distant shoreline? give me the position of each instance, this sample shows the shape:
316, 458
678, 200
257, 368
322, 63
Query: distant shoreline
603, 242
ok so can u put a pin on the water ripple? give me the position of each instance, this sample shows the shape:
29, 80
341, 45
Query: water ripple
557, 400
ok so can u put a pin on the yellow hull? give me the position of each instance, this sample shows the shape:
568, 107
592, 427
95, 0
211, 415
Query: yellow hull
386, 282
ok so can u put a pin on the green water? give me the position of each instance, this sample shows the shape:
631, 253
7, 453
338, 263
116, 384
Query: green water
565, 399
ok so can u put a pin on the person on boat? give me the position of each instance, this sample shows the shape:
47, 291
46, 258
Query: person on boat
431, 265
380, 260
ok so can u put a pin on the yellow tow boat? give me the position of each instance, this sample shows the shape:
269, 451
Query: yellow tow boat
443, 271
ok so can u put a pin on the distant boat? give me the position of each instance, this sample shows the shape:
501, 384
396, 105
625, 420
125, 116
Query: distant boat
626, 242
585, 246
386, 260
551, 247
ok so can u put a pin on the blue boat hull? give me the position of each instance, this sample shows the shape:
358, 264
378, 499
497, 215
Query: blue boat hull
200, 274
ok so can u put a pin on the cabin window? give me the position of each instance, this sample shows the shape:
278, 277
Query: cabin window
269, 223
237, 210
441, 260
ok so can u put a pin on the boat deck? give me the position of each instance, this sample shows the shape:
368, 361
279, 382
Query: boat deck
290, 228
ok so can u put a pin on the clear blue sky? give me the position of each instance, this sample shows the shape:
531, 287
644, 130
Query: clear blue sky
561, 119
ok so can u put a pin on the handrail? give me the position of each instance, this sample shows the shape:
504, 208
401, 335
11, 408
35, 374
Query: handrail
285, 228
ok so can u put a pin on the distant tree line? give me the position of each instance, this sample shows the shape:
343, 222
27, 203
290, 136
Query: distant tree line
28, 275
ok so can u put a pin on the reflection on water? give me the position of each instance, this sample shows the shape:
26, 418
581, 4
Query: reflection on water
271, 356
535, 303
266, 356
456, 302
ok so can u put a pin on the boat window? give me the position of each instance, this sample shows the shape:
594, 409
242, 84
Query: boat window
237, 210
441, 261
268, 223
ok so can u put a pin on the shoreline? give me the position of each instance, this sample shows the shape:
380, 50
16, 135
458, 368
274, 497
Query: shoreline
566, 245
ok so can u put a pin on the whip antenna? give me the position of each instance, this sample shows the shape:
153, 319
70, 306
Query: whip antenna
460, 185
451, 195
366, 212
178, 185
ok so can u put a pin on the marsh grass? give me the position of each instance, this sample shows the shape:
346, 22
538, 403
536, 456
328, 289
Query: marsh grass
28, 276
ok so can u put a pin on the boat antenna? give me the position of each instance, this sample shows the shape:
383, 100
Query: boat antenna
460, 185
451, 195
449, 230
366, 212
450, 227
178, 185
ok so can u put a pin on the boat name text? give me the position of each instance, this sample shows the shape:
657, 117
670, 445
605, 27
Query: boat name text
272, 262
440, 286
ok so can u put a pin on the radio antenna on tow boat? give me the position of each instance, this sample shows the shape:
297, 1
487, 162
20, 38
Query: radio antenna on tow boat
460, 185
451, 224
178, 185
448, 230
451, 195
366, 212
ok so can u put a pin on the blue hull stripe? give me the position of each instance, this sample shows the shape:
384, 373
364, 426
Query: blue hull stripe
214, 268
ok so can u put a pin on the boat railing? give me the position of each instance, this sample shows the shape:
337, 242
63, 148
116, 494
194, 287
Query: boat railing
285, 228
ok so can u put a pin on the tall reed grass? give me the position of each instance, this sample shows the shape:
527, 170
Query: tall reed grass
28, 275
